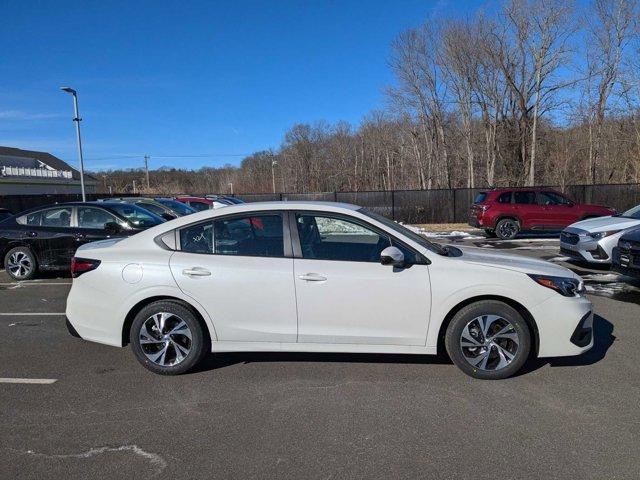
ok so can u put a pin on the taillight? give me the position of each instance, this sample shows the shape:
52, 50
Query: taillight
82, 265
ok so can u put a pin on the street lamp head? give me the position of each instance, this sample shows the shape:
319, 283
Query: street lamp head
68, 90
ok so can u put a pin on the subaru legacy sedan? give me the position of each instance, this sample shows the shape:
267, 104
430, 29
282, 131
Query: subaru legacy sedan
320, 277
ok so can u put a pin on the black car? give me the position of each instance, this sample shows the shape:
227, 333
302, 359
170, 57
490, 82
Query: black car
4, 213
178, 207
626, 256
149, 204
45, 238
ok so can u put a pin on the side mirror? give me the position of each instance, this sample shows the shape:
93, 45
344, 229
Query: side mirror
392, 256
112, 228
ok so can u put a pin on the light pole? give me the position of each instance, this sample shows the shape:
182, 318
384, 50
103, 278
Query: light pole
273, 174
77, 119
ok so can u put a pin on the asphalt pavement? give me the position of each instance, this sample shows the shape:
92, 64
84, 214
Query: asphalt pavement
91, 411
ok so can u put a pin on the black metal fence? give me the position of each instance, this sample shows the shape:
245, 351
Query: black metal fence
409, 206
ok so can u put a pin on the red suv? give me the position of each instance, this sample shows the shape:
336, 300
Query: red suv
503, 212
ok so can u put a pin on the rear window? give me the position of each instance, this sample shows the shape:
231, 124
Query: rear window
524, 197
504, 197
481, 197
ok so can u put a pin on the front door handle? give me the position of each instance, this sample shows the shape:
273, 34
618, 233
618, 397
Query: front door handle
312, 277
32, 234
196, 272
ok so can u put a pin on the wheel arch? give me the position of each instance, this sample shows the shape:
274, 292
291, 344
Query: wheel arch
507, 216
128, 321
521, 309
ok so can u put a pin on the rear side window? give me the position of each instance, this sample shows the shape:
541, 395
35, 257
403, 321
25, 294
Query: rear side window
481, 197
255, 236
504, 197
524, 197
199, 206
56, 217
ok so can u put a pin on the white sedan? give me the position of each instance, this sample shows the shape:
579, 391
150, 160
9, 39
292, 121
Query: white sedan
320, 277
592, 240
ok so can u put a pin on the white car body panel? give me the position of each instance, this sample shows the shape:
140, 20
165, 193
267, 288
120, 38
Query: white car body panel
587, 245
264, 308
249, 305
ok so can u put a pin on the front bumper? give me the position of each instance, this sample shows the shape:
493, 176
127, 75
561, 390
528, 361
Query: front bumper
589, 249
565, 326
630, 268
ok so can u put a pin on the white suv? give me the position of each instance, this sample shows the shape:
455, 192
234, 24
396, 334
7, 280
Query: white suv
320, 277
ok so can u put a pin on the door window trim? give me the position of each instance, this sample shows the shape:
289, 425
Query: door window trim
286, 236
393, 240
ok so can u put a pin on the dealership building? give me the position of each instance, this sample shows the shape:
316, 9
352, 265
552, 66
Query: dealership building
24, 172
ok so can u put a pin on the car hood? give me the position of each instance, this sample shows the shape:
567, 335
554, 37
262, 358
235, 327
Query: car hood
603, 224
518, 263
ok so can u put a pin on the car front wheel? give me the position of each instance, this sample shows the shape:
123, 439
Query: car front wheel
488, 340
20, 263
507, 228
167, 338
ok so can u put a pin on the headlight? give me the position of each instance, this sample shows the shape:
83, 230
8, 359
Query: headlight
599, 235
567, 286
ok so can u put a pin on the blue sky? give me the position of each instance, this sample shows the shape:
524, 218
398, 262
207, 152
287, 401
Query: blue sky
215, 79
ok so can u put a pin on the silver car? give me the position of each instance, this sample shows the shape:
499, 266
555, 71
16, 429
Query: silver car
593, 240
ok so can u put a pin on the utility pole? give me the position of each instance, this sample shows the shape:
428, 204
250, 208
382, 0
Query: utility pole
231, 185
146, 169
134, 187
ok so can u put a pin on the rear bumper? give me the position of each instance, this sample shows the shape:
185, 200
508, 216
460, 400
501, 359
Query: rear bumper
565, 326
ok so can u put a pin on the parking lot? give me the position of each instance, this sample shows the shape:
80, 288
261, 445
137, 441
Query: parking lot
83, 410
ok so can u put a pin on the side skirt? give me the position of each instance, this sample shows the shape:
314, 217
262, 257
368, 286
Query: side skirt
319, 347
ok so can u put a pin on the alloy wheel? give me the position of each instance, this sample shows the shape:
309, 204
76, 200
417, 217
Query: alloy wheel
508, 229
489, 342
165, 339
20, 264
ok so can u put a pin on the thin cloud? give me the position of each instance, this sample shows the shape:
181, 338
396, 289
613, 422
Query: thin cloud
20, 115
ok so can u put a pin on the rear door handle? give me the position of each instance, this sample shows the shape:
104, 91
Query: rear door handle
312, 277
80, 236
196, 272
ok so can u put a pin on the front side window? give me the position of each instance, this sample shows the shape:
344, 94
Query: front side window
91, 217
255, 236
199, 206
527, 198
552, 198
330, 238
56, 217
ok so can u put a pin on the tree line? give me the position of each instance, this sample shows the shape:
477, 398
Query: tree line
538, 92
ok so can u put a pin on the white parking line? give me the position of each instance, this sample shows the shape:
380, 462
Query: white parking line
36, 381
25, 284
26, 314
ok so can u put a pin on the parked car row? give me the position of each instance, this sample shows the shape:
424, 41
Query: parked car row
589, 233
45, 238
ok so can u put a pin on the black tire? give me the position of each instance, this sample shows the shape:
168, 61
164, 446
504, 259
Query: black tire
490, 233
26, 261
466, 316
197, 345
507, 228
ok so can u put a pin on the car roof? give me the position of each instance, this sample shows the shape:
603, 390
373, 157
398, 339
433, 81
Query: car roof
515, 189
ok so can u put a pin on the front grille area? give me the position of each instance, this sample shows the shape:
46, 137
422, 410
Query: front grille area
570, 238
632, 249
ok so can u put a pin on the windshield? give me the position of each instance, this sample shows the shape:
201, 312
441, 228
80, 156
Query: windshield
416, 237
176, 206
632, 213
136, 216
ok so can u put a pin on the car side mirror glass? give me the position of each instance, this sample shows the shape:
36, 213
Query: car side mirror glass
392, 256
112, 228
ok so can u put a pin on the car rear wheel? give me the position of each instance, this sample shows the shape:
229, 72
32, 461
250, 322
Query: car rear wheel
507, 228
488, 340
20, 263
167, 338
